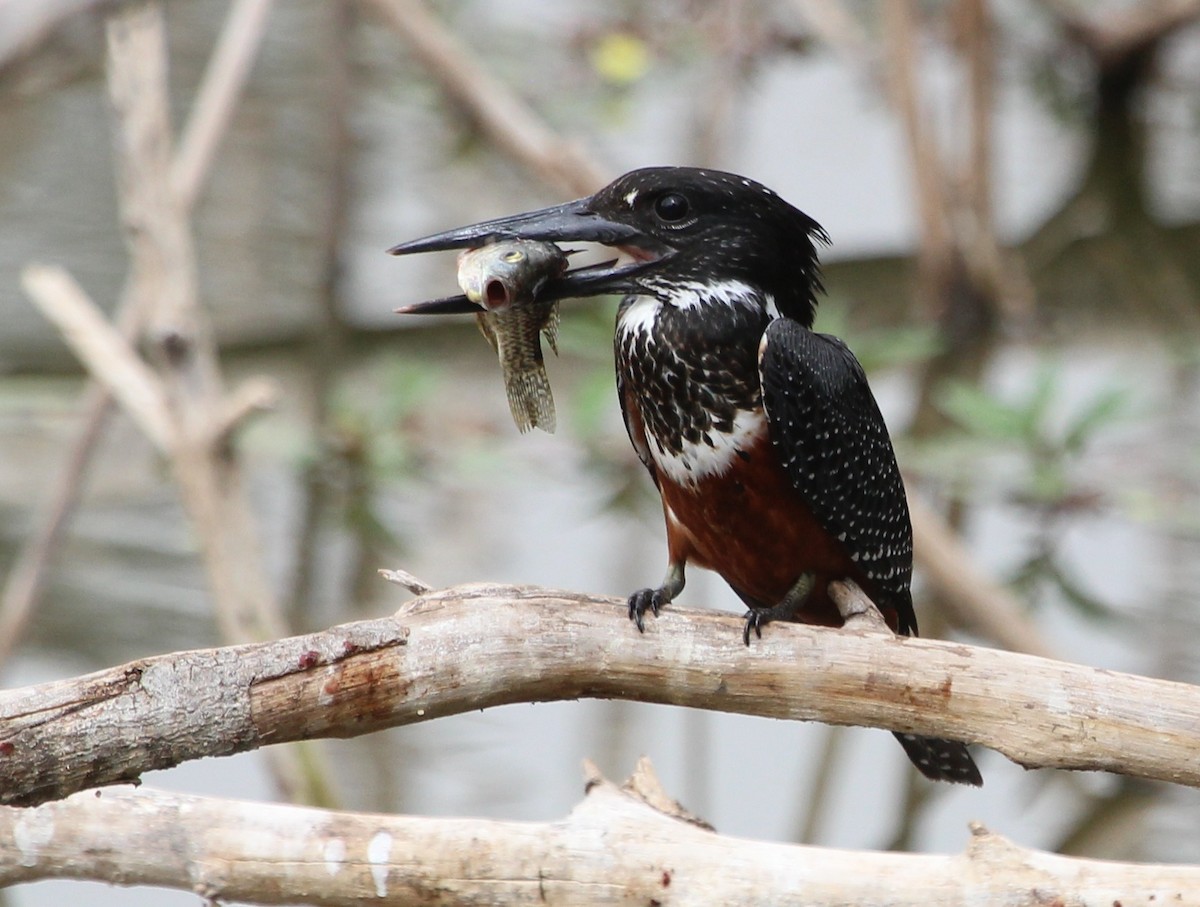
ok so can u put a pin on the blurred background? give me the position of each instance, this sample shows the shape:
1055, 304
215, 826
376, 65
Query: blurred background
1012, 189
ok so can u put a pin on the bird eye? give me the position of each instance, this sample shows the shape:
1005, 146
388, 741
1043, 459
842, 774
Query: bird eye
671, 207
513, 256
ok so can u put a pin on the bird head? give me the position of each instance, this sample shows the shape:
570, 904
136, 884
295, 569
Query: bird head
683, 227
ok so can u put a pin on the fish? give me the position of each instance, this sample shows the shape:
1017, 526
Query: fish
504, 279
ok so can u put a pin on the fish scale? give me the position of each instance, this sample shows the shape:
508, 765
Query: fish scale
514, 337
504, 278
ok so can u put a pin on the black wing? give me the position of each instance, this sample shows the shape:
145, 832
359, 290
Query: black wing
832, 441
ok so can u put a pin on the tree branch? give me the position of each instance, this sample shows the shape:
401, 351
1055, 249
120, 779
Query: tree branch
217, 97
506, 119
629, 845
475, 646
158, 234
224, 78
108, 356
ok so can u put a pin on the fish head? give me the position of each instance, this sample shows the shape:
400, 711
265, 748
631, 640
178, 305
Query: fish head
501, 273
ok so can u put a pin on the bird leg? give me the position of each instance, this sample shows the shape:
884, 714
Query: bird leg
653, 599
757, 618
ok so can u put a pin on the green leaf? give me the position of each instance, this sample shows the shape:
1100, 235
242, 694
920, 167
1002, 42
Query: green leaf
883, 348
981, 413
1036, 409
1103, 410
1048, 482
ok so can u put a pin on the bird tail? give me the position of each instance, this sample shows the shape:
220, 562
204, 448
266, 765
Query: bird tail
941, 760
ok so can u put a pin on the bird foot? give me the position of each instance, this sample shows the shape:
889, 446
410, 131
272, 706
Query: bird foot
644, 600
793, 602
653, 600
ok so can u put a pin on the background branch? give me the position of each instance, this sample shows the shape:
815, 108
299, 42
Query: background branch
506, 119
164, 272
475, 646
630, 845
101, 348
216, 99
975, 599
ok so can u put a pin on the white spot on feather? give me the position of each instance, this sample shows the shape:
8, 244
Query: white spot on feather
631, 197
379, 853
714, 457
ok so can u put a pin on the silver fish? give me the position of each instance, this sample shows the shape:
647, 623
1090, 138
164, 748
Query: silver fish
505, 278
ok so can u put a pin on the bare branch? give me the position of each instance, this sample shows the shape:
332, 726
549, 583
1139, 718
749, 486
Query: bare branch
163, 262
222, 85
158, 234
858, 611
509, 121
618, 846
900, 19
255, 395
833, 24
1113, 34
217, 97
475, 646
25, 26
107, 355
407, 580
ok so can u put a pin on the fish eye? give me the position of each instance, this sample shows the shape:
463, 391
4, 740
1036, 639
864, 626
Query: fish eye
671, 207
514, 255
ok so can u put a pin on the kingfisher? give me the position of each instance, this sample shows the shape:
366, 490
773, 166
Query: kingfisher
762, 436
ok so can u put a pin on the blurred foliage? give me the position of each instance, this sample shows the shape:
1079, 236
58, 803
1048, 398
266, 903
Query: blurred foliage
1029, 425
608, 456
1030, 452
371, 439
369, 420
878, 348
620, 58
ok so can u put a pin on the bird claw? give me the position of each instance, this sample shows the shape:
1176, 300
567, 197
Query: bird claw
642, 601
792, 604
755, 618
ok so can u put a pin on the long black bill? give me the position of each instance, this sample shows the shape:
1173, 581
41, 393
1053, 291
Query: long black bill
571, 222
561, 223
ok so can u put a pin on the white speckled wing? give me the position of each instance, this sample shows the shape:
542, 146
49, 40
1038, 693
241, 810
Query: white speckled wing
834, 446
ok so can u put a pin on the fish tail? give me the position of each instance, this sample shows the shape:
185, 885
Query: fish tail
530, 400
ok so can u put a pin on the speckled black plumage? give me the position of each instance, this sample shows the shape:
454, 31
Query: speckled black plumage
692, 374
831, 439
833, 443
